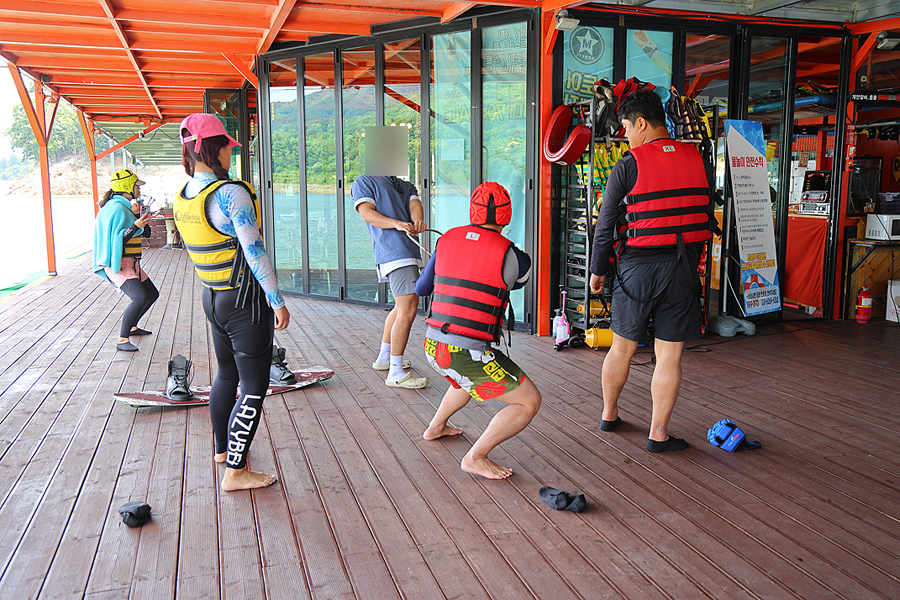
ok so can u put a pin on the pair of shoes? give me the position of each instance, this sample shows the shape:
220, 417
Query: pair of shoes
178, 384
387, 366
560, 500
279, 373
139, 331
126, 347
166, 247
408, 382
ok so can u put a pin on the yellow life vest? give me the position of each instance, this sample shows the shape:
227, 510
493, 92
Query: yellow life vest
132, 248
218, 258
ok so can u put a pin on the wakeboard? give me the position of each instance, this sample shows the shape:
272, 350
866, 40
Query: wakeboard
201, 392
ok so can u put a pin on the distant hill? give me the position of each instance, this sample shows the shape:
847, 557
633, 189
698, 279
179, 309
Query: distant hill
73, 178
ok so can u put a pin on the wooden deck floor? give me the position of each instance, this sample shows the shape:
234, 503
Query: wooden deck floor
364, 508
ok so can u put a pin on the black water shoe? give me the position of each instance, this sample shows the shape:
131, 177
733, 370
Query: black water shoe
279, 373
178, 384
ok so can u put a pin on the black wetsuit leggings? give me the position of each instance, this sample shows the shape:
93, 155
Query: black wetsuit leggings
235, 421
143, 294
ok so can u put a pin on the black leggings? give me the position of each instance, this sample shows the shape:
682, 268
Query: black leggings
143, 294
234, 420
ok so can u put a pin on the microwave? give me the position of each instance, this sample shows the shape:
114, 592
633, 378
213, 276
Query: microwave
882, 227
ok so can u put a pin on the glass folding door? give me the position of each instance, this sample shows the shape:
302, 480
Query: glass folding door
358, 111
504, 73
321, 174
289, 208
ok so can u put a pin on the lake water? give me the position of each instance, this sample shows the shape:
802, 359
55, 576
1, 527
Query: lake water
23, 244
449, 211
24, 252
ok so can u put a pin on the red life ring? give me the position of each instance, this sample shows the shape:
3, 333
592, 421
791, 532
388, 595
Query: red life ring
557, 146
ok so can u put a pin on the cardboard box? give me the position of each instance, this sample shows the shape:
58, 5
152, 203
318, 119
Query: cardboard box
893, 300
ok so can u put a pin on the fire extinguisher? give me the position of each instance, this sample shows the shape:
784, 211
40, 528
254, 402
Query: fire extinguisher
863, 305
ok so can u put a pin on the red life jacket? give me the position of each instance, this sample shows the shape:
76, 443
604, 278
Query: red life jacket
469, 292
671, 196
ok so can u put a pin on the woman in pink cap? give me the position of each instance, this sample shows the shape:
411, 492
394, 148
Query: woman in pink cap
219, 222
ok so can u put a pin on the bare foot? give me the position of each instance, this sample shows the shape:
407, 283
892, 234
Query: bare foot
484, 467
242, 479
433, 433
219, 458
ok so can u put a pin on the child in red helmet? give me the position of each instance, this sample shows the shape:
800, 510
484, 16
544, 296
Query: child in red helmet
470, 275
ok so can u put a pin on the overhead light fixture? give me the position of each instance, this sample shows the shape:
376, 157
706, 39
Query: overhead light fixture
887, 40
564, 22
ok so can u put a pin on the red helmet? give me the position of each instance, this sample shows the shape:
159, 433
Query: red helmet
490, 205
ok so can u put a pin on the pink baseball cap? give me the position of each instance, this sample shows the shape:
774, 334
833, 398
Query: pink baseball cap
204, 125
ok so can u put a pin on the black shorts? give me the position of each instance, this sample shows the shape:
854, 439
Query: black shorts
675, 311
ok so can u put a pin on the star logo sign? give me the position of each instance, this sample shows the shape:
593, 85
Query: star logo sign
587, 46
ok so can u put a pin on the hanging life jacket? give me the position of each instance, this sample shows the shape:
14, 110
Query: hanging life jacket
469, 292
622, 90
661, 209
218, 258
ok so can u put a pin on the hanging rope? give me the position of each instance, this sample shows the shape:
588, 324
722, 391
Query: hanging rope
416, 242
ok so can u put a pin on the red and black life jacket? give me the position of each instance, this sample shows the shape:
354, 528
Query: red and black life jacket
469, 292
671, 196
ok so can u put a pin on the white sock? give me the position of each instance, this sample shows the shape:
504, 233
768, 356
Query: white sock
396, 371
385, 354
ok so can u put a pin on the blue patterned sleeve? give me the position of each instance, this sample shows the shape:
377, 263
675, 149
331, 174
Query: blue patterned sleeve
233, 214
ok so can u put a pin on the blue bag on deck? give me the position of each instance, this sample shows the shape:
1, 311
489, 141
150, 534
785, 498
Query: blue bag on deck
728, 436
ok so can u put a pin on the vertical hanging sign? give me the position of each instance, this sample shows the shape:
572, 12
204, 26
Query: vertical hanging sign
753, 214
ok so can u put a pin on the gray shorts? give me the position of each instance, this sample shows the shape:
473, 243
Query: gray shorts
675, 311
403, 280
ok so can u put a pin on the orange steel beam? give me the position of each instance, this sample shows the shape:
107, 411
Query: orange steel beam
874, 26
543, 187
46, 124
555, 5
108, 9
136, 136
42, 136
389, 11
550, 40
88, 132
454, 10
402, 99
865, 50
243, 70
521, 3
165, 17
698, 83
27, 105
279, 16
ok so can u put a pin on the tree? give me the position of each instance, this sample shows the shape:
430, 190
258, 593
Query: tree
66, 139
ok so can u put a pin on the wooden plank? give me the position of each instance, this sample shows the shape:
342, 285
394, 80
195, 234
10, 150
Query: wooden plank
198, 553
437, 547
365, 508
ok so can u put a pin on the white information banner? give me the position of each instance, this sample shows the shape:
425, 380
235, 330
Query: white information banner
753, 214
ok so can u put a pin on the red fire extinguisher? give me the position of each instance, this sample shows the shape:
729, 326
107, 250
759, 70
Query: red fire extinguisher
863, 305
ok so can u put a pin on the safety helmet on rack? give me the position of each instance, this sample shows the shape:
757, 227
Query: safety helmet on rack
490, 205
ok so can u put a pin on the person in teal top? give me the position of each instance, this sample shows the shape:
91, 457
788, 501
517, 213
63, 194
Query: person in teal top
117, 251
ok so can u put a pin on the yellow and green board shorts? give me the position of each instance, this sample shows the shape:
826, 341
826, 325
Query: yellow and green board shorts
483, 374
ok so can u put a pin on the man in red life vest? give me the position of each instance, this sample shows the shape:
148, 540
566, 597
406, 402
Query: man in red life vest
657, 209
471, 274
